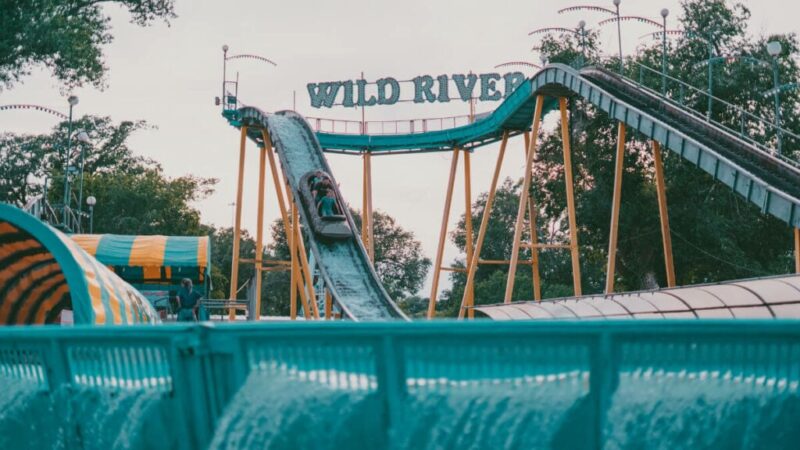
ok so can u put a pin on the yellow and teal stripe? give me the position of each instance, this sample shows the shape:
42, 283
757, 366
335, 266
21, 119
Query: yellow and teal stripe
43, 272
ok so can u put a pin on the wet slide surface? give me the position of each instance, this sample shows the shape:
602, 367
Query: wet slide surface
343, 264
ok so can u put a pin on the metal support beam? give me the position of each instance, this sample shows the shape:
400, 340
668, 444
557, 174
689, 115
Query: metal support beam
663, 214
262, 160
573, 226
615, 204
293, 283
442, 235
328, 305
468, 300
534, 244
797, 250
288, 225
297, 240
523, 199
366, 210
237, 224
468, 290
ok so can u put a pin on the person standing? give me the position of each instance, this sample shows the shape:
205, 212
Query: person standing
188, 302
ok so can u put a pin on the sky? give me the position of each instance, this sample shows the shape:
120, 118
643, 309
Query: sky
169, 75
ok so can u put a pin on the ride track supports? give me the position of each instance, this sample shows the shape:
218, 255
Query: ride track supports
262, 157
523, 199
294, 240
615, 205
534, 246
328, 305
797, 250
663, 214
573, 226
469, 291
237, 227
468, 298
437, 268
366, 209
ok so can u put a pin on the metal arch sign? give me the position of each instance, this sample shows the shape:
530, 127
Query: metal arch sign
426, 89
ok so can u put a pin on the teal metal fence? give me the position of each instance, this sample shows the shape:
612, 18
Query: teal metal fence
421, 385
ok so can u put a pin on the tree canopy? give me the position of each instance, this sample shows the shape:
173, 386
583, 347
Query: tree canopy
133, 194
66, 36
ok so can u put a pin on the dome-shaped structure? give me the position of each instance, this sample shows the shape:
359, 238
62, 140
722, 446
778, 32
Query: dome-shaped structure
44, 273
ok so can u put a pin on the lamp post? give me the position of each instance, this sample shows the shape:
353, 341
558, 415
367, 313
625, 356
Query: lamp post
664, 14
91, 201
601, 9
83, 138
619, 37
774, 49
73, 100
224, 71
579, 34
225, 58
582, 36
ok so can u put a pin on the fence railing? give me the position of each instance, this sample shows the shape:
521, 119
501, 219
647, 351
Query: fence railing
578, 385
758, 131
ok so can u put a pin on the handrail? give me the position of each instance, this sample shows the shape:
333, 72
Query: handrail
741, 133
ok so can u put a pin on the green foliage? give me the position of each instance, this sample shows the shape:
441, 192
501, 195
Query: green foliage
66, 36
133, 194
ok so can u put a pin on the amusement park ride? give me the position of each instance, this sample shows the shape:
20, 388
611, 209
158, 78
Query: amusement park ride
479, 385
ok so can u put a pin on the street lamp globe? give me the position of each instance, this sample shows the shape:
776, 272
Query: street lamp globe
617, 2
582, 24
225, 48
73, 100
83, 137
664, 13
91, 201
774, 48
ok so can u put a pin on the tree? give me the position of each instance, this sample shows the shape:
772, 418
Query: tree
133, 194
67, 36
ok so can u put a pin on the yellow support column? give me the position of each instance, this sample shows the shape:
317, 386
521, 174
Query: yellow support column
296, 279
532, 212
293, 277
573, 226
797, 250
304, 265
468, 290
297, 240
237, 227
437, 268
260, 229
615, 205
472, 263
366, 209
663, 215
523, 199
328, 305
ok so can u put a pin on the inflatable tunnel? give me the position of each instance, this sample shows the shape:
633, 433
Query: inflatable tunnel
45, 276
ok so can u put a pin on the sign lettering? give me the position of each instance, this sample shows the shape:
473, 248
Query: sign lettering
426, 89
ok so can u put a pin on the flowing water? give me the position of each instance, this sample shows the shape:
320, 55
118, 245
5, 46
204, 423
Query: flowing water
318, 409
83, 418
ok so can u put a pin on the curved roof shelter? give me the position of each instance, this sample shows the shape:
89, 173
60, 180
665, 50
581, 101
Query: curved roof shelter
150, 259
773, 297
44, 273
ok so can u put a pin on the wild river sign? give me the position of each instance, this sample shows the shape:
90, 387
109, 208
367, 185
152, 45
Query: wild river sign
426, 89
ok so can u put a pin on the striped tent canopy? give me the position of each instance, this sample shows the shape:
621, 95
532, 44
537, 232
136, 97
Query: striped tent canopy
150, 259
43, 273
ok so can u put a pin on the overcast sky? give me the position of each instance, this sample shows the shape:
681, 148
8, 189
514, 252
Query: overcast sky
169, 76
